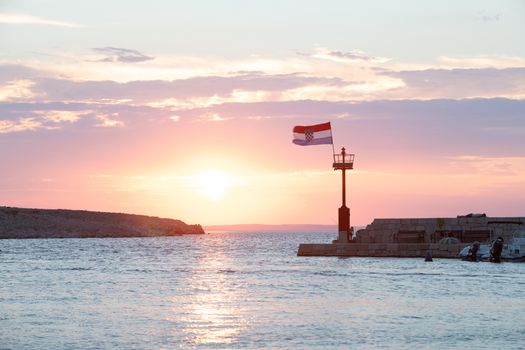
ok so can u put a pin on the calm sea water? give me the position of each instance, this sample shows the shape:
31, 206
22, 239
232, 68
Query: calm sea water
235, 290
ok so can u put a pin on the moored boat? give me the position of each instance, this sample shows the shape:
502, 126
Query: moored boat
511, 251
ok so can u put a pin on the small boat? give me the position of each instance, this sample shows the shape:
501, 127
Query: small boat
512, 251
482, 251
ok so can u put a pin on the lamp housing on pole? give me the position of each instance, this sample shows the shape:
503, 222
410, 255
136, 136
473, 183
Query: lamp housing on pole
343, 162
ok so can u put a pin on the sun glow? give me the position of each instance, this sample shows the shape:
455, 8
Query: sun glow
213, 184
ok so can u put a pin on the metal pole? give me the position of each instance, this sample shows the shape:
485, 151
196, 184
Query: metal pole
343, 153
344, 186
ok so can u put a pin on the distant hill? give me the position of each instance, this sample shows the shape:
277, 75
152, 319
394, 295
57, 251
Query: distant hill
61, 223
277, 228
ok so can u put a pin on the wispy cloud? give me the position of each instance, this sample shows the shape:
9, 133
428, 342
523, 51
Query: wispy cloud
289, 87
215, 90
22, 124
214, 117
481, 61
14, 18
486, 17
460, 83
14, 90
347, 56
62, 116
107, 122
116, 54
38, 117
500, 166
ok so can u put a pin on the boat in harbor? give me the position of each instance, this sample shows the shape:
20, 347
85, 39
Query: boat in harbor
512, 251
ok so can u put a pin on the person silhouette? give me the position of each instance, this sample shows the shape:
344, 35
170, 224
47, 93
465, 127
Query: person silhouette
495, 252
428, 256
473, 252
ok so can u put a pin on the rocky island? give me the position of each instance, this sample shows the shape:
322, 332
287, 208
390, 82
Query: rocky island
62, 223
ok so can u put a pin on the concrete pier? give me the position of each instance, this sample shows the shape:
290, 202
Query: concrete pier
407, 250
466, 228
413, 237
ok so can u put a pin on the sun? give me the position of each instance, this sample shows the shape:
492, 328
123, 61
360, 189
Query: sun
213, 184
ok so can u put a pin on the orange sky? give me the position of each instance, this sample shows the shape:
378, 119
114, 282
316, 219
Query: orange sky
250, 172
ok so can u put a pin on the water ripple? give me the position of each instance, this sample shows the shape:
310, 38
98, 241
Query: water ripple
248, 290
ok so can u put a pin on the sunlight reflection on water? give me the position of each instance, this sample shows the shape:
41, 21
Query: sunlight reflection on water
235, 290
215, 315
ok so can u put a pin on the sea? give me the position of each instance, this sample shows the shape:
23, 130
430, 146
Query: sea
249, 290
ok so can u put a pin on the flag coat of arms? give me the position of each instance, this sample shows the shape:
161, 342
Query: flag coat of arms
309, 135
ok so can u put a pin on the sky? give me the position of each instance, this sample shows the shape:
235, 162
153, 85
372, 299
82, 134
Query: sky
185, 109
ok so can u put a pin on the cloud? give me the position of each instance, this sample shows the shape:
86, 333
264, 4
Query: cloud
351, 66
58, 101
460, 83
115, 54
12, 18
300, 78
106, 122
22, 124
17, 90
50, 116
477, 62
62, 116
13, 72
188, 93
347, 56
498, 166
214, 117
80, 116
214, 90
485, 17
403, 125
105, 65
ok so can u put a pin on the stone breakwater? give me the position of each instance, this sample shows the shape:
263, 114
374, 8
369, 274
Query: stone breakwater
408, 250
60, 223
466, 228
411, 238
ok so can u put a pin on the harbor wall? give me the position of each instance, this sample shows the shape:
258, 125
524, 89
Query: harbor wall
466, 229
407, 250
414, 237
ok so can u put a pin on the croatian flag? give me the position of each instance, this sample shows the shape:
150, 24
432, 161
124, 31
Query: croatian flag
307, 135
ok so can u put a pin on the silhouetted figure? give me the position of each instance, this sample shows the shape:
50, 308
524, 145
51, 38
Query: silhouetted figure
428, 256
351, 234
473, 252
495, 252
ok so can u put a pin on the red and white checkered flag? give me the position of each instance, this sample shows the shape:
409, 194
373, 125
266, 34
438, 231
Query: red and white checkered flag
308, 135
